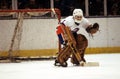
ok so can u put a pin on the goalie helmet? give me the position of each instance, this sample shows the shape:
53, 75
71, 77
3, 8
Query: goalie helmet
77, 15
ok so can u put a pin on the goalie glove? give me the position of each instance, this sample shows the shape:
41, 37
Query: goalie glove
93, 29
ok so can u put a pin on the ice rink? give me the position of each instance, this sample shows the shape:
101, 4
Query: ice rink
109, 69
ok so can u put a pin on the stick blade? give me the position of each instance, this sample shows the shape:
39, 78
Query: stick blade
89, 64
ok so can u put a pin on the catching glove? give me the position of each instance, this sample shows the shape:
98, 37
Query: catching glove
93, 29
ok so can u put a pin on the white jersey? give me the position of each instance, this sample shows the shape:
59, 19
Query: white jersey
69, 21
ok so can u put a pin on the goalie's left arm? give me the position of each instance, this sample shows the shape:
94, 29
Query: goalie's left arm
92, 29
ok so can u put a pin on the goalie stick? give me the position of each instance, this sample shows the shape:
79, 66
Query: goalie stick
72, 43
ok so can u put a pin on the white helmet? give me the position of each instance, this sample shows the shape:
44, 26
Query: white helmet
77, 12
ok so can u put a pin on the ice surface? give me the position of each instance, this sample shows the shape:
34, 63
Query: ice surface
109, 69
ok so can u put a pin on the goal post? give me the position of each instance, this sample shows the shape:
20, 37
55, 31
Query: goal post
30, 33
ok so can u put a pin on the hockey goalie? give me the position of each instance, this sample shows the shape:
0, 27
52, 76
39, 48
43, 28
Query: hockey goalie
73, 45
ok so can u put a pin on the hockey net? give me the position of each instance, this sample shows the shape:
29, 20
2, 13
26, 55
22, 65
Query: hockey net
27, 30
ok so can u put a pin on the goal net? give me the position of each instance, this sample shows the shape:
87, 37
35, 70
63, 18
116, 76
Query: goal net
28, 33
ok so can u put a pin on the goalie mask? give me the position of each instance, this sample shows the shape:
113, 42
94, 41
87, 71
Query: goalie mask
78, 15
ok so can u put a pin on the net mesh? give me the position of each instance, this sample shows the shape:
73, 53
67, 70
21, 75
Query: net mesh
12, 46
33, 12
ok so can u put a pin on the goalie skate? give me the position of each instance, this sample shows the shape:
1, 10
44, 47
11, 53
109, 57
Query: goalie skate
63, 56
